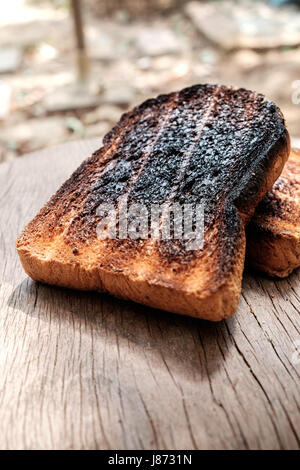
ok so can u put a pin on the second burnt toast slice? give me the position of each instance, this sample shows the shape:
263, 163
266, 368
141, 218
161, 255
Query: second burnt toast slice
273, 236
206, 144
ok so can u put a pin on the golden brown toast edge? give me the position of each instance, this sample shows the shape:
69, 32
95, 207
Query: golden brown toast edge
273, 235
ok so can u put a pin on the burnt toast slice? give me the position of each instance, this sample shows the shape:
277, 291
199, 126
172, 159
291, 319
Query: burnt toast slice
207, 144
273, 235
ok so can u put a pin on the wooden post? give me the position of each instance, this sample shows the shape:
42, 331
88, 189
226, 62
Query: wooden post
82, 57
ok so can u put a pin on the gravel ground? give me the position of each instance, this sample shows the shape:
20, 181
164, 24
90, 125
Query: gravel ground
133, 58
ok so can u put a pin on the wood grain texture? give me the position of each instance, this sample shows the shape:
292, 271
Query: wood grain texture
87, 371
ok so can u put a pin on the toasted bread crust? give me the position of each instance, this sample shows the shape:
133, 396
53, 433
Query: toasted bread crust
273, 236
143, 156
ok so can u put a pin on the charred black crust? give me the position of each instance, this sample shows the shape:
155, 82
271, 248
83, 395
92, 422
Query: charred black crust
245, 194
229, 139
280, 203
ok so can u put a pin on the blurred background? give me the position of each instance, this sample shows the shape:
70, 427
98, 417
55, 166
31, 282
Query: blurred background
66, 75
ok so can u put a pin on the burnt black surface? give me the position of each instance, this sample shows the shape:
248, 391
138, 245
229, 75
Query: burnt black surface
197, 145
216, 132
281, 201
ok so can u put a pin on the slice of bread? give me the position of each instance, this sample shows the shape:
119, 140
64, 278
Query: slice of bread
207, 144
273, 236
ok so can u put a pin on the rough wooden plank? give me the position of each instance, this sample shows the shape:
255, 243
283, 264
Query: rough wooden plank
83, 370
